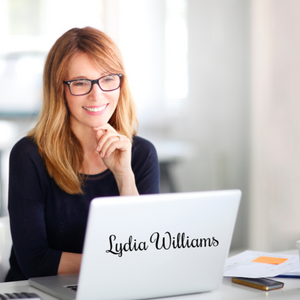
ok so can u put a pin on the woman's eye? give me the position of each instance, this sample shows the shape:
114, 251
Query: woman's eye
107, 78
80, 83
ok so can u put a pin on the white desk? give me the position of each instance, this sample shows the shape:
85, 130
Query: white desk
227, 291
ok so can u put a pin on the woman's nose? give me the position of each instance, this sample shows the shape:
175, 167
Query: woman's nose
96, 91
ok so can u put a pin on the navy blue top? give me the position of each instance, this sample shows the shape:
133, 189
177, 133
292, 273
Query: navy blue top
45, 220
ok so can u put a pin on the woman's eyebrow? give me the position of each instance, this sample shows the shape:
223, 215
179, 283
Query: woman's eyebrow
85, 77
79, 77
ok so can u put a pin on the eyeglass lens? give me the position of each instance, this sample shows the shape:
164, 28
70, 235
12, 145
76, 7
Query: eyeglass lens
84, 86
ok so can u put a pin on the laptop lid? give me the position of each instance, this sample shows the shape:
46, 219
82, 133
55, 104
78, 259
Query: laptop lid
149, 246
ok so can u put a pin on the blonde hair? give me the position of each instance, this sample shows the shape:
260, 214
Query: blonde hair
58, 145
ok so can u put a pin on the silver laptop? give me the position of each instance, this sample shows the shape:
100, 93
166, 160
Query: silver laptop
150, 246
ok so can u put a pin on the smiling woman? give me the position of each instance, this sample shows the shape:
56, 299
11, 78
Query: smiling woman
85, 98
83, 146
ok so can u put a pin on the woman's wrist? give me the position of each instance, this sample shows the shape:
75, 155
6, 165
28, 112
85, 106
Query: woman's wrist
126, 184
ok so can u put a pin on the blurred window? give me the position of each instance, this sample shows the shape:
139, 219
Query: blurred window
152, 36
28, 29
176, 49
153, 39
21, 83
24, 17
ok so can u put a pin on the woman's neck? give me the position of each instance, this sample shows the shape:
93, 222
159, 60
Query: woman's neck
92, 162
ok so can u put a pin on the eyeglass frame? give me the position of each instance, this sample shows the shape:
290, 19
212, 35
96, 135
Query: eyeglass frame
95, 81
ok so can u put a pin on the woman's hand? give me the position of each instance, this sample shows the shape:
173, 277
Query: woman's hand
115, 151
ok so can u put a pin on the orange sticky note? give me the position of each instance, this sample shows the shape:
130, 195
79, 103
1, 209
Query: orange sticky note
270, 260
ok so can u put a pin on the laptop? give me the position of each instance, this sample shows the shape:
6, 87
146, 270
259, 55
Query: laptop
150, 246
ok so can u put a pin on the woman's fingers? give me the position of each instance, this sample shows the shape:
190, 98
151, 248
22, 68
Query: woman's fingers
115, 150
110, 142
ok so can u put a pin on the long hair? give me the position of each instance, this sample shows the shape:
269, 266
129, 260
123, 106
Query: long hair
61, 150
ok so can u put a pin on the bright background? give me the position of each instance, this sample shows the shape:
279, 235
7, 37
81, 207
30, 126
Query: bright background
216, 83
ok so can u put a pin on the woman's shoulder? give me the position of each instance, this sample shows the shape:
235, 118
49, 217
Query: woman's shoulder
143, 150
25, 143
140, 143
25, 147
145, 166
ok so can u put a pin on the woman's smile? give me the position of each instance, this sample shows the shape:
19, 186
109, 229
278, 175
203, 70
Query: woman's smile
96, 110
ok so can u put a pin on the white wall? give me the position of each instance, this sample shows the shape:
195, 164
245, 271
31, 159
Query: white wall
217, 121
275, 135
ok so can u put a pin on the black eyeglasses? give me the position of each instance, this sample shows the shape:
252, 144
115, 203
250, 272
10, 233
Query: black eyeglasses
107, 83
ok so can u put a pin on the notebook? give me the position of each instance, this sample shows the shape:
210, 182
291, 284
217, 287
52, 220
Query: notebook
150, 246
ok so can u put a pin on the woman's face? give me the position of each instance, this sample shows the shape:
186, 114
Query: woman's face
94, 109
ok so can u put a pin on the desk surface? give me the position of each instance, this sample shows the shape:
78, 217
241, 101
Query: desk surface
227, 291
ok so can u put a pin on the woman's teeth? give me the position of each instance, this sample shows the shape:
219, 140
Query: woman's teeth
94, 109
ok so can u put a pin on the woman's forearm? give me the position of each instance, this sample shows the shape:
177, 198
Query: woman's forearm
69, 263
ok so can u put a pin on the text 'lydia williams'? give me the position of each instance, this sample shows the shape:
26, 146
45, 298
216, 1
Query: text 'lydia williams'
160, 242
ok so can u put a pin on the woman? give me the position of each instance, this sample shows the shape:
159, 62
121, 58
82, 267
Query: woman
83, 146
